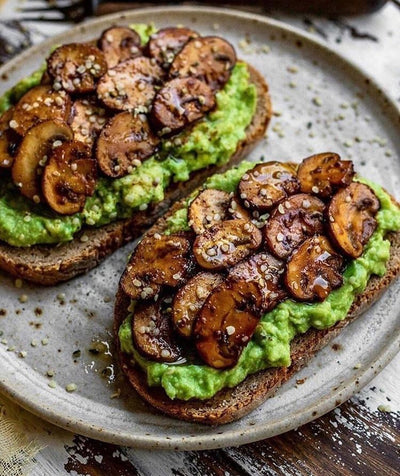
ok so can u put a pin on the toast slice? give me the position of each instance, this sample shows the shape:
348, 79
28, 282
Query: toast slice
50, 264
231, 404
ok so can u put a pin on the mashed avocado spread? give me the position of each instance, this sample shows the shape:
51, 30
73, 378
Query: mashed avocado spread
270, 345
211, 141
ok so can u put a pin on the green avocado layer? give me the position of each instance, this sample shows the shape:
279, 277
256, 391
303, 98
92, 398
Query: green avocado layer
13, 95
270, 345
211, 141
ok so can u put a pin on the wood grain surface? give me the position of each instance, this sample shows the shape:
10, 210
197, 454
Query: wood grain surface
354, 439
350, 440
361, 437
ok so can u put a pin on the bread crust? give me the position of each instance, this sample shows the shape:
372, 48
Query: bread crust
51, 264
230, 404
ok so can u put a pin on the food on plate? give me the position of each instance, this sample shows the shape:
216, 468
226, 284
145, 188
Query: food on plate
351, 218
217, 308
164, 260
8, 140
167, 42
267, 184
76, 67
179, 103
298, 217
130, 85
313, 270
118, 44
123, 143
226, 244
321, 174
69, 178
209, 58
97, 143
41, 103
190, 299
33, 152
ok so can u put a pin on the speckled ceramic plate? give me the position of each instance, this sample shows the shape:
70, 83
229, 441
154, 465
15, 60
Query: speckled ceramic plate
321, 102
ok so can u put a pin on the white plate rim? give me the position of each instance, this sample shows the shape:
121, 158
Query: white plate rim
231, 437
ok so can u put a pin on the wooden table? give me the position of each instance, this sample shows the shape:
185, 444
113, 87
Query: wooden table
361, 437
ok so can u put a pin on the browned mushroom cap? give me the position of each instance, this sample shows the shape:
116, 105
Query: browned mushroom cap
227, 322
119, 44
208, 208
267, 184
190, 299
180, 102
266, 270
292, 221
87, 119
69, 177
157, 260
152, 332
236, 209
9, 140
40, 103
323, 174
313, 270
226, 244
351, 218
123, 143
130, 85
167, 42
35, 149
209, 58
46, 79
76, 67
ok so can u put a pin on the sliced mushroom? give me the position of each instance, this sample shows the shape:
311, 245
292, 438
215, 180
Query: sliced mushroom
87, 119
9, 140
35, 149
209, 58
313, 270
226, 244
227, 322
157, 260
190, 299
69, 177
153, 333
351, 218
130, 86
167, 42
265, 185
236, 209
179, 103
207, 209
267, 271
323, 174
39, 104
76, 67
119, 44
123, 143
292, 221
46, 79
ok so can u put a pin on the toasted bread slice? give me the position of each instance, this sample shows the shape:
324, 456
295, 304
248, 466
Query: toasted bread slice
50, 264
231, 404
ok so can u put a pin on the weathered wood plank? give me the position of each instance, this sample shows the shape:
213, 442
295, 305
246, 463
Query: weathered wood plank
349, 440
355, 439
87, 456
210, 463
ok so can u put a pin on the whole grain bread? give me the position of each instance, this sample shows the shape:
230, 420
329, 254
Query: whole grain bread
50, 264
231, 404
